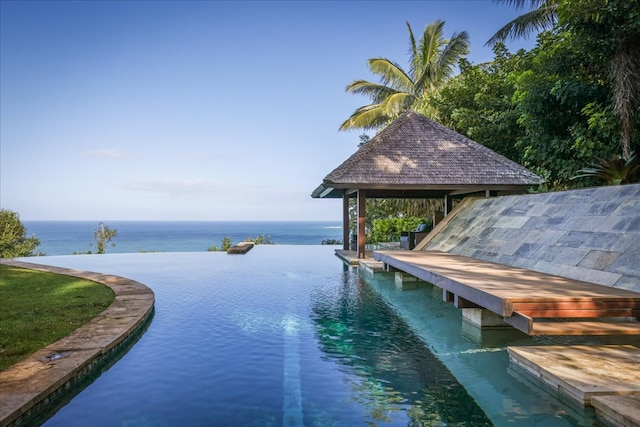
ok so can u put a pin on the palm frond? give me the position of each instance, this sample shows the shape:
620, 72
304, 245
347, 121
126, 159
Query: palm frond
536, 20
522, 4
431, 41
376, 91
613, 171
391, 74
413, 49
453, 51
366, 117
397, 103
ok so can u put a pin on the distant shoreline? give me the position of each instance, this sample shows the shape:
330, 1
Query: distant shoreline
66, 237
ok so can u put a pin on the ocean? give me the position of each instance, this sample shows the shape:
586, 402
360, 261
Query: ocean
67, 237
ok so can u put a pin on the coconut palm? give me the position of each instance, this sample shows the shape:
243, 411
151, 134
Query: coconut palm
432, 62
542, 15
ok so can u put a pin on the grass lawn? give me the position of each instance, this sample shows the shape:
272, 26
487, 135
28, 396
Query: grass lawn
39, 308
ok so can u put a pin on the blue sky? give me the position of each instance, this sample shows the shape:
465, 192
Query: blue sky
195, 110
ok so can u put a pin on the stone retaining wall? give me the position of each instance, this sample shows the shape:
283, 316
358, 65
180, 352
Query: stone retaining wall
590, 234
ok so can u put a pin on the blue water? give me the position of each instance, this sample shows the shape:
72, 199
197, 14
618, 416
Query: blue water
68, 237
289, 336
282, 336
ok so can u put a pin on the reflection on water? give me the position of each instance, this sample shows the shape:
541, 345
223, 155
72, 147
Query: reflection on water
395, 370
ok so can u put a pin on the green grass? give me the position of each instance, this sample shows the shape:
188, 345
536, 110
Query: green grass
39, 308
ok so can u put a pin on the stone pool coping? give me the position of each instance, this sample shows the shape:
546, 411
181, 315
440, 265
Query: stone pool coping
31, 383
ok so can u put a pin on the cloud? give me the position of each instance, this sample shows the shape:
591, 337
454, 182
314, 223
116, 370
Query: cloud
106, 154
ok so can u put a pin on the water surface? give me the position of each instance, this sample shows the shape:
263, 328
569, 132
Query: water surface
289, 336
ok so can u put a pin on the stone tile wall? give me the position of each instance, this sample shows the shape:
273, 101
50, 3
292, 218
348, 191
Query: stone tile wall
591, 234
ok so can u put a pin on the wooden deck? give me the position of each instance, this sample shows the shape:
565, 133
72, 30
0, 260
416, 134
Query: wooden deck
582, 372
536, 303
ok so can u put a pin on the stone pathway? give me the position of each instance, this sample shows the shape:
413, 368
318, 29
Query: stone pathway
28, 385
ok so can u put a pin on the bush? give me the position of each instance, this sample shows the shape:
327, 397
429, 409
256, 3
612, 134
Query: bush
13, 237
389, 229
224, 245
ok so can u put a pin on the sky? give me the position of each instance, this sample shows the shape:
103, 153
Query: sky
195, 110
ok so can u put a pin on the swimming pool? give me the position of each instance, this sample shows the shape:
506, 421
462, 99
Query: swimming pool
289, 336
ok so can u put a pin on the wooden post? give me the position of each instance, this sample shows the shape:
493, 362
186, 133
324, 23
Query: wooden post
345, 221
361, 222
448, 204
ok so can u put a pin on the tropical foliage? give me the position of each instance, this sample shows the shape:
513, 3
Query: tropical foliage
14, 241
103, 236
389, 229
433, 60
541, 16
607, 32
559, 108
613, 171
554, 108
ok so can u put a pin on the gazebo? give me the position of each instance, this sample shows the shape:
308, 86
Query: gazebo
415, 157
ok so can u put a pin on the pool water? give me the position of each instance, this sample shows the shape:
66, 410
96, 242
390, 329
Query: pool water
289, 336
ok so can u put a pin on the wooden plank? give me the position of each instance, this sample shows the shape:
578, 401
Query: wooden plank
622, 411
451, 283
502, 281
590, 304
460, 302
521, 322
586, 328
519, 295
537, 312
581, 372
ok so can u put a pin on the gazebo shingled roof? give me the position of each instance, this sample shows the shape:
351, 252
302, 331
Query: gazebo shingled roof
416, 154
415, 157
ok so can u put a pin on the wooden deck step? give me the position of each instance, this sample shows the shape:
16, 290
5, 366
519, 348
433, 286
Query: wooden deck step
525, 299
581, 372
241, 248
586, 328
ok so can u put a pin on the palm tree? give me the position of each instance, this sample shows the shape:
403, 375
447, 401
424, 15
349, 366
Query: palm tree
432, 62
542, 15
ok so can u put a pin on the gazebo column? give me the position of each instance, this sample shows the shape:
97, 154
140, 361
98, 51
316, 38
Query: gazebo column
448, 204
345, 221
361, 222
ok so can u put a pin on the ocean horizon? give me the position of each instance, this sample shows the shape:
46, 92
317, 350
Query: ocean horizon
69, 237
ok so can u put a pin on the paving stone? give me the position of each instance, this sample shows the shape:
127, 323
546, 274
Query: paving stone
599, 260
602, 241
603, 208
562, 255
526, 250
628, 282
574, 239
626, 224
628, 242
627, 208
627, 264
550, 237
512, 221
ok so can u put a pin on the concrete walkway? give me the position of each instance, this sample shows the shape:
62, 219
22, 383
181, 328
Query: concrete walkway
27, 386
